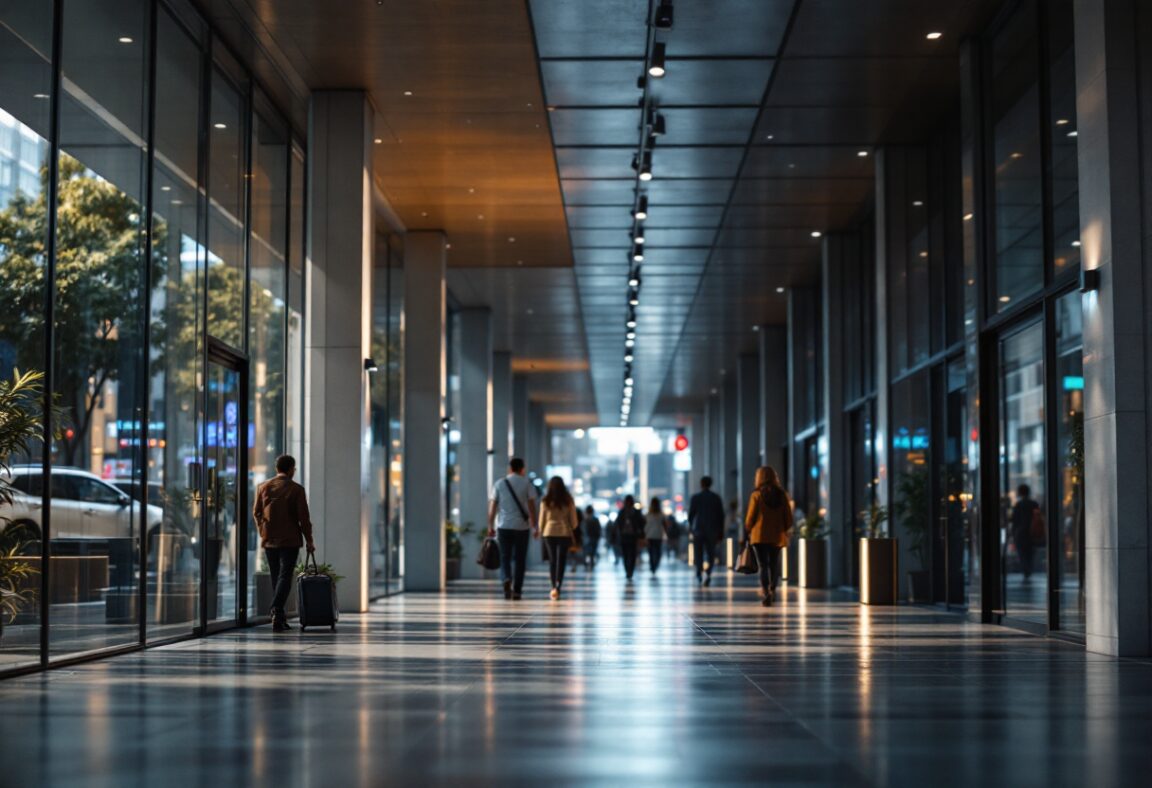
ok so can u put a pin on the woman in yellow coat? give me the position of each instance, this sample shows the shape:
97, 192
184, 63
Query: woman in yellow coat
768, 528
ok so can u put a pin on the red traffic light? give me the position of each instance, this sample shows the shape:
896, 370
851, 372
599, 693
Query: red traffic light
681, 442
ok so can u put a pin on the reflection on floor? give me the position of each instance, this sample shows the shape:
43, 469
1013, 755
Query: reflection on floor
654, 683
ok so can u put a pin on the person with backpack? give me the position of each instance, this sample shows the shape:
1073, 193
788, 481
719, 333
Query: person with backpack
592, 531
558, 522
511, 516
768, 528
629, 531
672, 535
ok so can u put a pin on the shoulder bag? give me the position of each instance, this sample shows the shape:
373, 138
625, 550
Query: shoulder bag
519, 506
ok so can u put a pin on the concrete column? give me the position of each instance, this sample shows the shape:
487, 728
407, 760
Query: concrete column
475, 424
501, 413
520, 404
711, 437
339, 289
425, 378
728, 484
1117, 380
880, 433
698, 448
748, 432
774, 396
840, 250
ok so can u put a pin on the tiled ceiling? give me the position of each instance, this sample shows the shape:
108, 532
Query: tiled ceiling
767, 104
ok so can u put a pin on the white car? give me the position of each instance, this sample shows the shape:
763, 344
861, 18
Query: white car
84, 506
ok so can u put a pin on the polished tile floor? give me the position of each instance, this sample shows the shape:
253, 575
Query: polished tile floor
654, 683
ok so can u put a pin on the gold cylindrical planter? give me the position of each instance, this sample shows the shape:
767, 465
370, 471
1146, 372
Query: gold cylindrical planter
813, 563
878, 571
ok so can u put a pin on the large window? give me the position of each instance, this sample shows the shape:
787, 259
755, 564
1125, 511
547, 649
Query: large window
1069, 382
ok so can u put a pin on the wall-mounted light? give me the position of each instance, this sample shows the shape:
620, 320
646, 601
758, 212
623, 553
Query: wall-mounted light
370, 365
656, 69
1089, 279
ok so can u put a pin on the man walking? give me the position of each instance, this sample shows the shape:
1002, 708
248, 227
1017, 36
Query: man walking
281, 514
706, 523
511, 515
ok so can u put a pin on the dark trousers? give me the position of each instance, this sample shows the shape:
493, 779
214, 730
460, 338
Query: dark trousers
705, 555
591, 550
1023, 539
768, 557
655, 550
281, 567
557, 558
628, 551
513, 549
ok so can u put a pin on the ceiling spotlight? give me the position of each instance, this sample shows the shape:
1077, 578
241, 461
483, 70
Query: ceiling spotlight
664, 15
370, 365
862, 153
639, 237
628, 358
934, 36
646, 167
219, 125
637, 253
627, 381
629, 343
657, 67
816, 233
779, 289
125, 39
634, 298
630, 335
633, 281
656, 125
631, 323
641, 211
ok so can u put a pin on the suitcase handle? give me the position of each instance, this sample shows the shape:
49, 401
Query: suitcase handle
310, 567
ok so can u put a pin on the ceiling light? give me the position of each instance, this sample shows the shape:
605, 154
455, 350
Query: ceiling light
634, 299
968, 217
125, 39
1062, 122
639, 237
917, 203
633, 281
1005, 299
664, 15
862, 153
629, 343
630, 335
641, 211
646, 167
219, 125
770, 136
656, 125
631, 324
934, 36
511, 239
39, 95
637, 253
779, 289
1072, 134
378, 141
165, 188
628, 357
816, 233
627, 381
1076, 243
407, 92
657, 67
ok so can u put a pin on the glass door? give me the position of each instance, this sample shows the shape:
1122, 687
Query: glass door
224, 440
1023, 459
954, 500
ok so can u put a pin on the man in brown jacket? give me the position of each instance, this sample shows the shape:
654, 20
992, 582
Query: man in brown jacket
281, 514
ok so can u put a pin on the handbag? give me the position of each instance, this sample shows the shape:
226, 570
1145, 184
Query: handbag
489, 557
747, 563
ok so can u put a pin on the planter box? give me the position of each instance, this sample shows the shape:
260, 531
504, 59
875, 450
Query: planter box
878, 571
813, 563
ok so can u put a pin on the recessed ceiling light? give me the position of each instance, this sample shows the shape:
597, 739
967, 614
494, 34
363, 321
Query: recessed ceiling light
816, 233
1017, 154
407, 92
1076, 243
1072, 134
923, 254
480, 216
219, 125
471, 190
968, 217
447, 246
511, 239
378, 141
165, 188
634, 301
779, 289
177, 202
1062, 122
423, 213
934, 36
770, 136
39, 95
1005, 299
755, 328
862, 153
125, 39
519, 262
917, 203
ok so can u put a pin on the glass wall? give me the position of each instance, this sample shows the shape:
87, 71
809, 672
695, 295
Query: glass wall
25, 90
164, 296
1069, 423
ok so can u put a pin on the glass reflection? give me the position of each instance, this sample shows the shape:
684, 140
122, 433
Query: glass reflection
1069, 382
1022, 475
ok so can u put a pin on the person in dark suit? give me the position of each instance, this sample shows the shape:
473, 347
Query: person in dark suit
1024, 513
706, 524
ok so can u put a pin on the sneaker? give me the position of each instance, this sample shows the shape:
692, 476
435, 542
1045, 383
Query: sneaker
507, 589
555, 594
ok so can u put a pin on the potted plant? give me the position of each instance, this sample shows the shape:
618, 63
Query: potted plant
453, 550
911, 510
21, 425
814, 551
878, 560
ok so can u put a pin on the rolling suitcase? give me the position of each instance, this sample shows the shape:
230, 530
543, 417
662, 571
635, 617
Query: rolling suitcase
316, 597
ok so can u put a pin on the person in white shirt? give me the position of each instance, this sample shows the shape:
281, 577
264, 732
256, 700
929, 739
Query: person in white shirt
654, 533
511, 517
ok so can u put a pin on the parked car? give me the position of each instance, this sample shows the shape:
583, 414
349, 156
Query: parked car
84, 506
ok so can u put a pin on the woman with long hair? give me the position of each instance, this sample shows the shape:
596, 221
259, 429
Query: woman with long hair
558, 521
768, 528
654, 533
629, 529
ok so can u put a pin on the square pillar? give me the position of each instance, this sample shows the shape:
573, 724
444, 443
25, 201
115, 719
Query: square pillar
425, 377
339, 292
475, 424
1111, 94
520, 440
748, 431
501, 446
774, 396
840, 251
